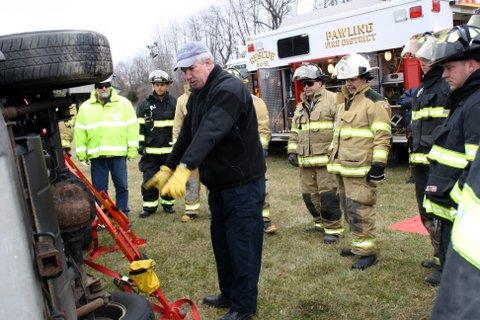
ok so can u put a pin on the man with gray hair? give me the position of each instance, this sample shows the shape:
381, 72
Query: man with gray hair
220, 137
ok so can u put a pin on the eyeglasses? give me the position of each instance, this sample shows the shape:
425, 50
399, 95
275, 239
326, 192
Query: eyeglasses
102, 85
308, 83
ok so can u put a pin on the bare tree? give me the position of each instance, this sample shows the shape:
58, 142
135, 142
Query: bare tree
273, 12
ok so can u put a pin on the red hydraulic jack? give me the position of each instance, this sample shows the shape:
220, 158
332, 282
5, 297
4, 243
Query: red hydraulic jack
128, 243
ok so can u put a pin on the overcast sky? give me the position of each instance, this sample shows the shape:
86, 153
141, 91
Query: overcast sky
128, 25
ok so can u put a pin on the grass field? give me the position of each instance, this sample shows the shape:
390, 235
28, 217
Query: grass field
301, 277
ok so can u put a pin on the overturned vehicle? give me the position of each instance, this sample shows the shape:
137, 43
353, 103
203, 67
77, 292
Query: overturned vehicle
46, 211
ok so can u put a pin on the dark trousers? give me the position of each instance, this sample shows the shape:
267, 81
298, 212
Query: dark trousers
237, 236
149, 165
117, 167
432, 224
458, 296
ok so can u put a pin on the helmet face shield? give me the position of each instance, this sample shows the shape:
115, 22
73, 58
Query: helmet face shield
427, 49
456, 44
308, 72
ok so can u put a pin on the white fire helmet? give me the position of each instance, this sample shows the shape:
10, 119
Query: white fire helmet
159, 76
308, 71
352, 66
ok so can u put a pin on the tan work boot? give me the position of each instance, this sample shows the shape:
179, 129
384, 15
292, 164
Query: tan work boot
188, 216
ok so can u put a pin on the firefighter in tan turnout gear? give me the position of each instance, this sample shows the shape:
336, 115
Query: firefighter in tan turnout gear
359, 154
311, 135
192, 195
261, 111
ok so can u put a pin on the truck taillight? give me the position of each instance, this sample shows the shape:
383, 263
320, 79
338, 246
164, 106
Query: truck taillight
416, 12
250, 47
435, 5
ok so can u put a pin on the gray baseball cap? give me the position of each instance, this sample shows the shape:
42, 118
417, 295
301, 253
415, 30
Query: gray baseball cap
187, 54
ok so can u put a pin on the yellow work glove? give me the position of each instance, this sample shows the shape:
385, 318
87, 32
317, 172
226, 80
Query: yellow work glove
177, 184
159, 179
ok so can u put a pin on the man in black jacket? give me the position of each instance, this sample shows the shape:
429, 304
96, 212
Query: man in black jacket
155, 116
429, 110
455, 142
220, 137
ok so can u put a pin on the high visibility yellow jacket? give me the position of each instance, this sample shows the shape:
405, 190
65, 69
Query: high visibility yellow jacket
362, 132
263, 120
312, 130
106, 130
180, 113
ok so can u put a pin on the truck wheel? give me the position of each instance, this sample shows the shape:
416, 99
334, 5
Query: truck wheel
125, 306
53, 59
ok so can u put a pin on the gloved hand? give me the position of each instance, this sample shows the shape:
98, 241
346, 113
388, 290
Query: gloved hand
159, 179
293, 159
265, 153
376, 172
177, 184
86, 163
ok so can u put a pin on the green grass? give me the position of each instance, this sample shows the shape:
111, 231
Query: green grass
301, 277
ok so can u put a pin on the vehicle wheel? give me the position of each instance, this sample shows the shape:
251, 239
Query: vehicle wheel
125, 306
53, 59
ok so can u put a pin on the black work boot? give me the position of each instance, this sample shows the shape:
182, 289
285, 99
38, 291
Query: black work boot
433, 278
217, 301
430, 263
330, 238
347, 252
364, 262
234, 315
145, 214
168, 209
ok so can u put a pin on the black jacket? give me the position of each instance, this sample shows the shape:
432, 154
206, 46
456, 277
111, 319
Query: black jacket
455, 137
220, 134
156, 121
427, 104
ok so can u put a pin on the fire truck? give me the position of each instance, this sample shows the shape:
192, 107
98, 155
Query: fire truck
374, 28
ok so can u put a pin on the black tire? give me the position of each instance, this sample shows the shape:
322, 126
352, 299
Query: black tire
135, 307
53, 59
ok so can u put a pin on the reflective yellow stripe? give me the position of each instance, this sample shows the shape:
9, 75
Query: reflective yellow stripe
132, 143
379, 154
456, 193
430, 112
317, 125
141, 120
363, 244
336, 132
418, 158
163, 150
192, 207
266, 213
264, 141
167, 202
471, 151
294, 130
377, 126
338, 231
438, 210
106, 149
448, 157
163, 123
337, 168
312, 161
141, 137
150, 204
106, 124
355, 132
465, 232
292, 147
